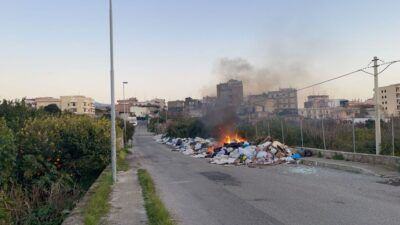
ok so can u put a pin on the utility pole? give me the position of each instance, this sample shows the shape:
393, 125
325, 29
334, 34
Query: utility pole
113, 132
378, 138
301, 132
354, 135
323, 131
392, 135
125, 116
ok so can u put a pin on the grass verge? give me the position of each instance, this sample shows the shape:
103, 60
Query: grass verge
98, 205
122, 162
156, 211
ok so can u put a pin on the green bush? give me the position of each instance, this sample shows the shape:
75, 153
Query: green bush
8, 153
47, 160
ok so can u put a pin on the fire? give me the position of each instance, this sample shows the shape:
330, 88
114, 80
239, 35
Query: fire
233, 138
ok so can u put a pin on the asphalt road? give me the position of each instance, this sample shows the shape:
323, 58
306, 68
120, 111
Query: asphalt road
199, 193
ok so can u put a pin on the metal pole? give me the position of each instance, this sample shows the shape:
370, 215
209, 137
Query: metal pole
283, 135
123, 87
323, 132
113, 132
392, 135
354, 136
256, 131
378, 137
301, 132
269, 130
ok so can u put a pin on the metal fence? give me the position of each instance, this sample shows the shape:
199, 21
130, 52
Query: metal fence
329, 134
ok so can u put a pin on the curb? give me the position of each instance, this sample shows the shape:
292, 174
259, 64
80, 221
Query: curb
76, 215
352, 169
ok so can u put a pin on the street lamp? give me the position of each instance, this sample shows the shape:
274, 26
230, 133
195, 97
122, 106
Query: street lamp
123, 88
113, 132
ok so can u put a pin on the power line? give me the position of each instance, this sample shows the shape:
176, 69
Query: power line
351, 73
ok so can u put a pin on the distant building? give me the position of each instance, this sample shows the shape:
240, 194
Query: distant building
140, 111
127, 104
193, 107
317, 101
77, 104
230, 93
282, 103
42, 102
208, 103
321, 106
176, 108
389, 99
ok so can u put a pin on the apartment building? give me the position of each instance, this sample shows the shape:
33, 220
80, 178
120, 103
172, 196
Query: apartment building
282, 102
389, 99
77, 104
42, 102
230, 93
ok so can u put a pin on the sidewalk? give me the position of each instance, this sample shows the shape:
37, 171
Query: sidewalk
126, 201
356, 167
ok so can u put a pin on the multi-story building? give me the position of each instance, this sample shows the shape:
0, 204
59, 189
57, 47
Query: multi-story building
125, 104
317, 101
208, 104
230, 93
389, 99
77, 104
282, 102
176, 108
42, 102
193, 107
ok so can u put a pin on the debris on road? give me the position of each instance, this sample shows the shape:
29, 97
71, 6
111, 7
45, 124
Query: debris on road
234, 150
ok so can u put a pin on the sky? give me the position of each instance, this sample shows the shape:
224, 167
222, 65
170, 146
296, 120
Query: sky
172, 49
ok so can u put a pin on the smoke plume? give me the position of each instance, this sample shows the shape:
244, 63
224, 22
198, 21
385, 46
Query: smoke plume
260, 79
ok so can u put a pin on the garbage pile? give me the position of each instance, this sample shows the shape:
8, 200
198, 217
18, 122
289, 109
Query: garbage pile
268, 152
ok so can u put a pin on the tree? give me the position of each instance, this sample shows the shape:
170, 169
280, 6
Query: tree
8, 153
52, 109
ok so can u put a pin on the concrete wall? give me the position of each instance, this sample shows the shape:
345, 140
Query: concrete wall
389, 161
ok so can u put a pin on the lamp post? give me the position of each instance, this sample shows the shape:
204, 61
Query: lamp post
125, 116
113, 132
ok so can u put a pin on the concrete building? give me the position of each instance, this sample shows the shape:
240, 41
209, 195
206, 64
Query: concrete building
127, 103
317, 101
42, 102
282, 102
77, 104
140, 111
230, 93
389, 99
176, 108
193, 107
208, 104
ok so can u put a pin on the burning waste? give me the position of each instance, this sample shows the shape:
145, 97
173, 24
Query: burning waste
235, 150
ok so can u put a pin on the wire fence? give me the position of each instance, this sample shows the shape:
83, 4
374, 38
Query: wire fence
327, 134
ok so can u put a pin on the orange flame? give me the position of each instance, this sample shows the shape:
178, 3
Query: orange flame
233, 138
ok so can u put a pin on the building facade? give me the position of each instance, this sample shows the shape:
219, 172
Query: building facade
230, 93
389, 99
42, 102
193, 107
176, 108
77, 104
282, 103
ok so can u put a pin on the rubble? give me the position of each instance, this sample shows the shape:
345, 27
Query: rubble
236, 151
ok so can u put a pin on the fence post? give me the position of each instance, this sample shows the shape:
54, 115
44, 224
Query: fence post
283, 135
323, 132
354, 136
301, 132
256, 129
393, 135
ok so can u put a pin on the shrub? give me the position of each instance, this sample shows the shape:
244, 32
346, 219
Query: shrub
8, 153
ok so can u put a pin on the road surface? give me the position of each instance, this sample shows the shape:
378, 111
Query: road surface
199, 193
